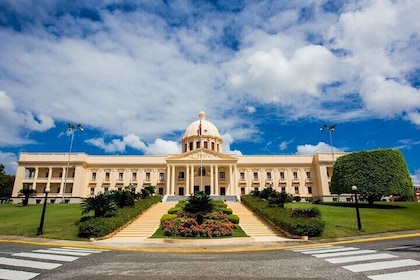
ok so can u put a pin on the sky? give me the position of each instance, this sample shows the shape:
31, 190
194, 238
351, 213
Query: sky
268, 74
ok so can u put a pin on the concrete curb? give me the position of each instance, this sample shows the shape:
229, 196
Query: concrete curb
205, 246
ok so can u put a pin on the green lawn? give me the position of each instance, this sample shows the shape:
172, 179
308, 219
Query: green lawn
340, 219
61, 219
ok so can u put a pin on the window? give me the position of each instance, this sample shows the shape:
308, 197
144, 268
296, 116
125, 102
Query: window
161, 176
106, 189
191, 146
201, 171
283, 189
308, 175
107, 176
268, 175
255, 175
185, 147
242, 175
119, 189
242, 190
147, 175
205, 144
60, 175
198, 144
282, 175
212, 146
181, 175
296, 190
310, 190
92, 191
93, 175
121, 176
134, 176
222, 175
295, 175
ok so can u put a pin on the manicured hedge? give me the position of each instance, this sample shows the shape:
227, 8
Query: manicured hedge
99, 227
282, 218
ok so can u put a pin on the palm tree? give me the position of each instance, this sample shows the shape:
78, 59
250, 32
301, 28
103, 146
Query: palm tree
101, 204
26, 192
199, 204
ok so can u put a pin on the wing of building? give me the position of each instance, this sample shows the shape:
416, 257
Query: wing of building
202, 166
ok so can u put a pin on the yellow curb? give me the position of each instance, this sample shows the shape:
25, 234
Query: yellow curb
211, 250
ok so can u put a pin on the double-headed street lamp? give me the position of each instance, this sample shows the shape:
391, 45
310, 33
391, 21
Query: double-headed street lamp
71, 128
330, 129
359, 224
41, 223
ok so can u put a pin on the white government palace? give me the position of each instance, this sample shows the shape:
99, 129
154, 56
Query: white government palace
202, 166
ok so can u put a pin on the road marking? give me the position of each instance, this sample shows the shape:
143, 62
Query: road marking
333, 250
71, 253
348, 253
8, 274
406, 275
381, 265
28, 263
46, 257
315, 248
95, 251
359, 258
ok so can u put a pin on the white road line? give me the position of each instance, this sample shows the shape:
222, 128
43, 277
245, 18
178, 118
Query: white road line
348, 253
28, 263
406, 275
46, 257
71, 253
8, 274
360, 258
381, 265
96, 251
398, 248
315, 248
331, 250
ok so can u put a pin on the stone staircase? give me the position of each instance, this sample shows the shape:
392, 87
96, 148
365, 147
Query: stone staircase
143, 227
253, 225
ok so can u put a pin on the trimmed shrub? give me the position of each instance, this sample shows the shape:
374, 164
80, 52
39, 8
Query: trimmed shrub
167, 217
174, 210
102, 226
305, 213
282, 218
234, 219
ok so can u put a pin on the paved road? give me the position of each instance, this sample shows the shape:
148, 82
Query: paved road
378, 260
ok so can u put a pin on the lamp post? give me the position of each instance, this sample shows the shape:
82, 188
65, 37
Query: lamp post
41, 223
71, 128
330, 129
359, 224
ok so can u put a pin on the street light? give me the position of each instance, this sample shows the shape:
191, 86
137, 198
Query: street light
71, 128
359, 224
330, 129
41, 223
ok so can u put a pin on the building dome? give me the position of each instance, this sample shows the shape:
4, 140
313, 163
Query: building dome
209, 139
207, 128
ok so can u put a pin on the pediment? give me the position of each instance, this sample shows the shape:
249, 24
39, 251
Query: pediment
203, 154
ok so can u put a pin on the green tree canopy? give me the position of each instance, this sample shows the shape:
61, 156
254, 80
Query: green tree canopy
6, 183
376, 173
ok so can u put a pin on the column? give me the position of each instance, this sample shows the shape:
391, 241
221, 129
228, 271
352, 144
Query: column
230, 180
192, 180
168, 179
211, 180
49, 178
187, 180
172, 180
216, 187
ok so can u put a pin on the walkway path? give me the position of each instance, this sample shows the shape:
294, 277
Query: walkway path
149, 221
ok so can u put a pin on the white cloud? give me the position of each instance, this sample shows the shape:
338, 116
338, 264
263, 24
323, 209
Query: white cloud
227, 141
284, 145
416, 177
321, 147
9, 160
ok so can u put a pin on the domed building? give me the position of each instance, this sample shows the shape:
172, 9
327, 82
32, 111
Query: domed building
202, 166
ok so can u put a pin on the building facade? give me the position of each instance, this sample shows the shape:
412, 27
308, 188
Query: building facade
202, 166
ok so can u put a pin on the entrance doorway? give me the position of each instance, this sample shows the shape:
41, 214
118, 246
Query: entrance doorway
181, 191
222, 191
207, 190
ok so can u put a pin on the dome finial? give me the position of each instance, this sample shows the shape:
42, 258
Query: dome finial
202, 115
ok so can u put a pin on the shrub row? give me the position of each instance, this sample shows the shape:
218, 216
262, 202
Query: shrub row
296, 222
98, 227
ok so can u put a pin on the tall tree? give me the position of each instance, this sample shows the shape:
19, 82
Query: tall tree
6, 183
376, 173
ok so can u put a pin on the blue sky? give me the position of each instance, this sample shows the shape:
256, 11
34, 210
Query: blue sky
268, 74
